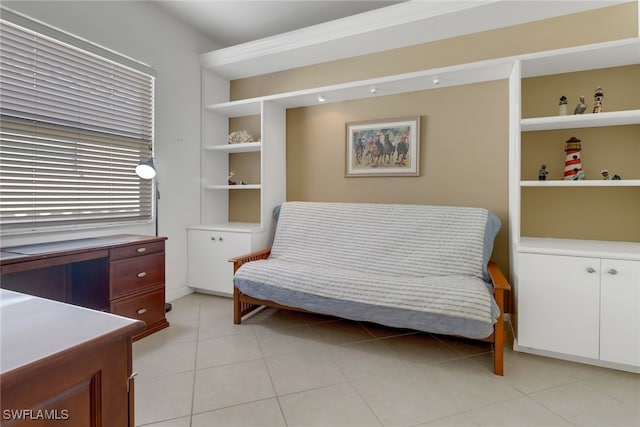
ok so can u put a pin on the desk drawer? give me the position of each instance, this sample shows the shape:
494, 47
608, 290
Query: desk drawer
148, 307
132, 275
136, 250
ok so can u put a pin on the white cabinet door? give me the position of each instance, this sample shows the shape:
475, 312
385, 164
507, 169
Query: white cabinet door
558, 304
208, 254
620, 312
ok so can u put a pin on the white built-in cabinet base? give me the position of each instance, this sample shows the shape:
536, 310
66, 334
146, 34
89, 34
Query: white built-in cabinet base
208, 252
580, 300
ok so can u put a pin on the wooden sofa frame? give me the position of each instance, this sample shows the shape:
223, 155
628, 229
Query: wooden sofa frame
244, 304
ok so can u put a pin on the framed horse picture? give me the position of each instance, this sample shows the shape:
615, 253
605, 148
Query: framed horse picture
383, 147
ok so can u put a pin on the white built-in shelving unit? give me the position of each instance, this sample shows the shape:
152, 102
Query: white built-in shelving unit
205, 239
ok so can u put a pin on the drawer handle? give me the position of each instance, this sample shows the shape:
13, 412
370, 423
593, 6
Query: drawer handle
142, 274
612, 271
140, 250
591, 270
142, 311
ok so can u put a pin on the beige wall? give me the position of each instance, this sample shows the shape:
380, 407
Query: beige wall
464, 151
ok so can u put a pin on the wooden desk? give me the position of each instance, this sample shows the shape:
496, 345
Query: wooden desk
122, 274
75, 371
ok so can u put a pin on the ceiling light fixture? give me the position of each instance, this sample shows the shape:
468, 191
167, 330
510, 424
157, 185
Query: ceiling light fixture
436, 81
321, 98
373, 90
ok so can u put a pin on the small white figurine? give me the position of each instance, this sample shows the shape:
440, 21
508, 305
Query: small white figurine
581, 107
562, 106
597, 100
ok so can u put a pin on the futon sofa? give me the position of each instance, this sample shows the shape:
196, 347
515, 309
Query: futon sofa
420, 267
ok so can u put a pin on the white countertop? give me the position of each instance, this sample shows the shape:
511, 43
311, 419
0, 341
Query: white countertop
32, 328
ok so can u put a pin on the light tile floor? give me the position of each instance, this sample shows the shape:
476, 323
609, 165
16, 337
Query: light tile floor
282, 368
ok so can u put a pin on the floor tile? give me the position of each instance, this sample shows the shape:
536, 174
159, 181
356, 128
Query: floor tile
176, 422
341, 332
294, 372
420, 348
623, 386
225, 350
466, 384
583, 405
279, 341
263, 413
230, 385
406, 401
163, 398
522, 412
459, 420
221, 326
337, 405
152, 359
530, 373
367, 359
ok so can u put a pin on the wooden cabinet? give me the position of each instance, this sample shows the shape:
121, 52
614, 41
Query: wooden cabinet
81, 378
122, 274
580, 300
208, 252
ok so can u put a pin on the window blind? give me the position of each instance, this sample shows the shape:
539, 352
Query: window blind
74, 126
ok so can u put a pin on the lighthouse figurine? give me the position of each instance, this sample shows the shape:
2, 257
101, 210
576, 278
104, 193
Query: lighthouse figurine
572, 163
597, 100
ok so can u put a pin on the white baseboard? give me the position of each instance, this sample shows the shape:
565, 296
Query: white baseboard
179, 293
577, 359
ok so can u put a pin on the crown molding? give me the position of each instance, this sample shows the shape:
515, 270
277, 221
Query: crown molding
404, 24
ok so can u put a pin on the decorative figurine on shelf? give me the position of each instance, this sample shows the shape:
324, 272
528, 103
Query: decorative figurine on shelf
597, 100
606, 176
562, 106
572, 163
239, 137
581, 107
542, 173
229, 178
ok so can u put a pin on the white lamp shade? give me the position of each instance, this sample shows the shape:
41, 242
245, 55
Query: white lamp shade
146, 169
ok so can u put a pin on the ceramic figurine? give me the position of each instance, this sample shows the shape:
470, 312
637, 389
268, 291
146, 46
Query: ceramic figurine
597, 100
581, 107
572, 163
562, 106
229, 178
606, 176
542, 173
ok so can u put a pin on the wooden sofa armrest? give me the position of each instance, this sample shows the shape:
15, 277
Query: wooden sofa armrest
500, 286
254, 256
498, 280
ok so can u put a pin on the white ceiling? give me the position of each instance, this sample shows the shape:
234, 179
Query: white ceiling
233, 22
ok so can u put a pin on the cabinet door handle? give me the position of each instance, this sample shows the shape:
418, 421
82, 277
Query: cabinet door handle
591, 270
219, 239
140, 250
142, 274
142, 311
612, 271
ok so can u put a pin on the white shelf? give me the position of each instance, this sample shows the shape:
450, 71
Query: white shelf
239, 227
578, 247
245, 147
614, 118
583, 183
481, 71
234, 187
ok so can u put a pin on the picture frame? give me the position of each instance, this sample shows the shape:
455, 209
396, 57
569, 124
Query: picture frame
389, 147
